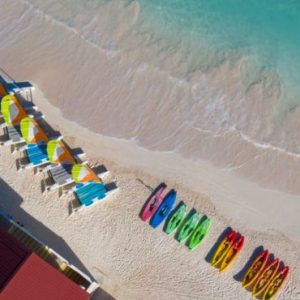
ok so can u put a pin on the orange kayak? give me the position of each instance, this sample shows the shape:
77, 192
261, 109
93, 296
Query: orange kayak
255, 269
276, 284
265, 278
232, 253
223, 248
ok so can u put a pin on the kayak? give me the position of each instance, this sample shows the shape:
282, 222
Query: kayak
276, 284
255, 269
223, 248
175, 218
199, 233
164, 209
232, 253
188, 226
265, 278
153, 202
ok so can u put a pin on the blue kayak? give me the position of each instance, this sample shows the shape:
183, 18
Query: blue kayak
164, 209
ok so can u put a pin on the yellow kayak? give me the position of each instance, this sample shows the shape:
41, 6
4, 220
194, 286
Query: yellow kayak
276, 284
223, 248
232, 253
255, 269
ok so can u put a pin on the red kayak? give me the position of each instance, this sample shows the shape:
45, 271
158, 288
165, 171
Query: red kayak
233, 252
276, 284
223, 248
153, 202
255, 269
265, 278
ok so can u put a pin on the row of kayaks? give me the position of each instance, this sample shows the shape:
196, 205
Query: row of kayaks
228, 250
265, 276
190, 227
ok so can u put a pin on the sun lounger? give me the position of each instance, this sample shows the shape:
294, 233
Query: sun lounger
39, 155
91, 192
35, 156
13, 87
61, 175
12, 136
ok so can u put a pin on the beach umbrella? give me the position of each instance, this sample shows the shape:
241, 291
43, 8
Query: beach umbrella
3, 91
59, 153
84, 173
32, 131
12, 110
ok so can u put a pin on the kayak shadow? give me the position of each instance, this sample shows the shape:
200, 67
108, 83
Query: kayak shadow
161, 185
239, 276
211, 252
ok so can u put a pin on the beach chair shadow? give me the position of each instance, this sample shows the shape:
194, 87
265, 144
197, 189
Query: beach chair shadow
45, 183
77, 151
211, 252
101, 170
112, 186
239, 276
152, 194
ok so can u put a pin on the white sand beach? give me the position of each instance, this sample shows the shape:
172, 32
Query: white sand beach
128, 258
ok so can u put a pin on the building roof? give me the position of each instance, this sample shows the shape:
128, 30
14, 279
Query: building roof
12, 255
36, 280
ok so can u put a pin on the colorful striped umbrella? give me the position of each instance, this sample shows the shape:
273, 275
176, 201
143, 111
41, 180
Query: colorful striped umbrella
84, 173
3, 91
32, 131
59, 153
12, 110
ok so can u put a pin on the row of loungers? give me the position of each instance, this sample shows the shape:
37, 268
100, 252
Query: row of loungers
37, 153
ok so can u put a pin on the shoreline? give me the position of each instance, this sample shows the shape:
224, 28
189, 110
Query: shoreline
202, 114
109, 238
217, 141
229, 194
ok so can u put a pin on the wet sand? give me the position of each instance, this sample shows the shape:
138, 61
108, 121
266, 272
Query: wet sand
125, 255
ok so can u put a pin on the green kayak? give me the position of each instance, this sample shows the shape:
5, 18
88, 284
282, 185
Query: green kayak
199, 233
188, 226
175, 218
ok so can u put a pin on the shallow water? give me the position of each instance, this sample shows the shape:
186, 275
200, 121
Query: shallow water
215, 80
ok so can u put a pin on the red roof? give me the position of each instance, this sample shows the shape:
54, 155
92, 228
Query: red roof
12, 255
36, 280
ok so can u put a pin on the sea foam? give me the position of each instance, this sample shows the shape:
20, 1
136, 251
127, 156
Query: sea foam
200, 85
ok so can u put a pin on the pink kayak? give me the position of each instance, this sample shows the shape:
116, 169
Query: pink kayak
153, 202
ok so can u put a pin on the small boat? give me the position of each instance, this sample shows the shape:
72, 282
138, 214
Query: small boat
265, 278
232, 253
255, 269
199, 233
188, 226
164, 209
223, 248
276, 284
175, 218
153, 202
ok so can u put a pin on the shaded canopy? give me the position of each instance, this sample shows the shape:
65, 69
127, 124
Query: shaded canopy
59, 153
32, 131
84, 173
12, 110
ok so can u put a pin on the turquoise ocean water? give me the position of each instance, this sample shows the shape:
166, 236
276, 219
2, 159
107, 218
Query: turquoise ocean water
208, 32
266, 31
